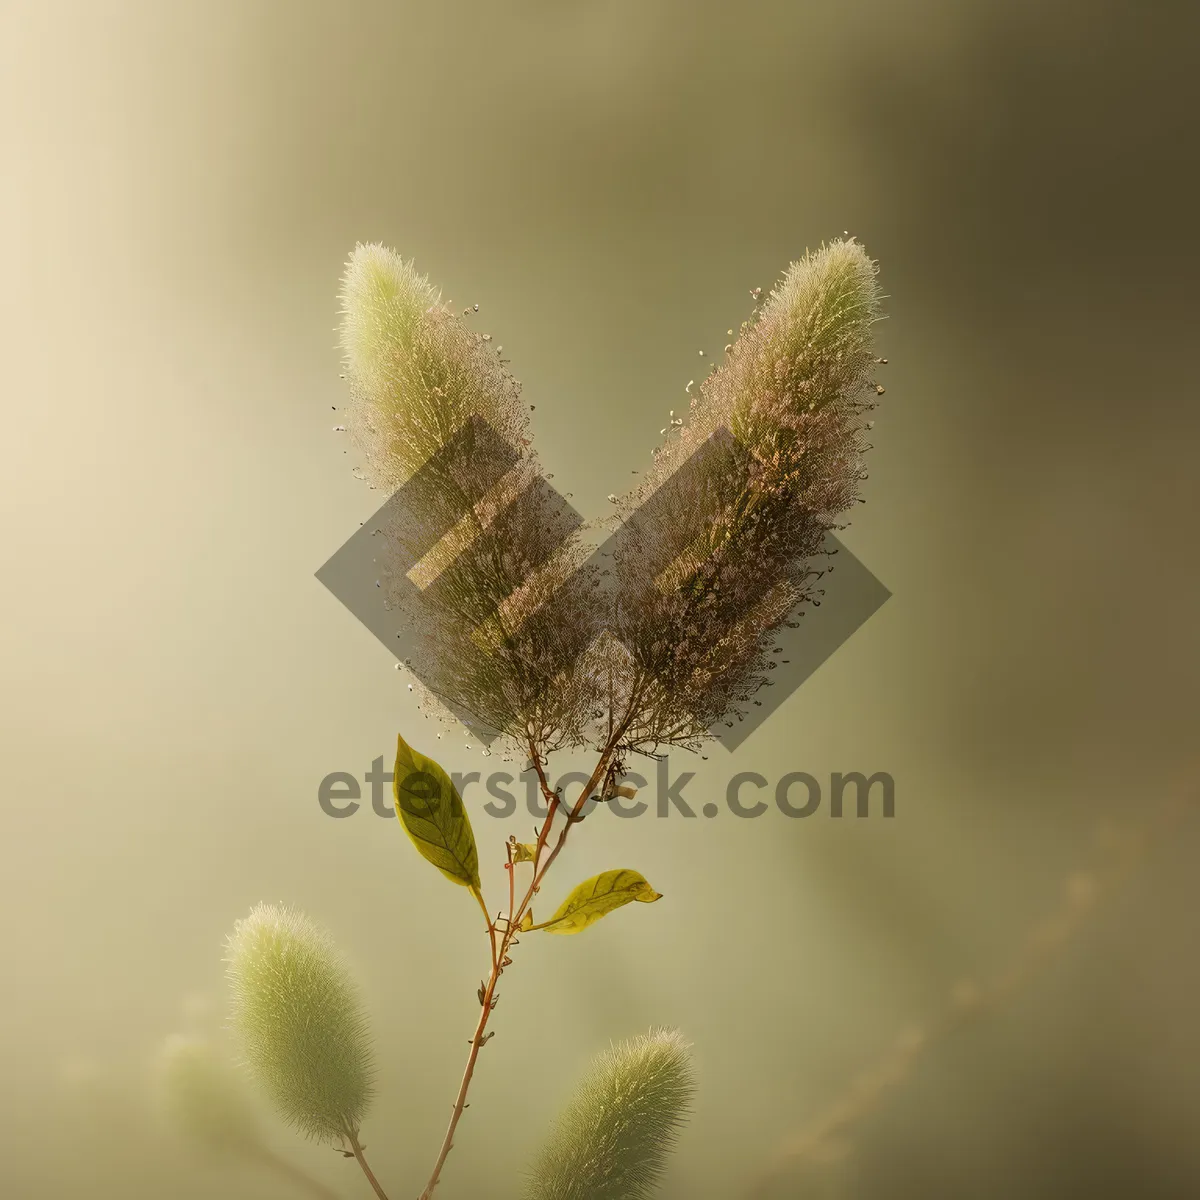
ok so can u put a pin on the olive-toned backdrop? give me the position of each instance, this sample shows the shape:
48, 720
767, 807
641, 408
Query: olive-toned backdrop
608, 180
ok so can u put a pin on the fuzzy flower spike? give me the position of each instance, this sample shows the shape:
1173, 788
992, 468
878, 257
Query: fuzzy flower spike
720, 541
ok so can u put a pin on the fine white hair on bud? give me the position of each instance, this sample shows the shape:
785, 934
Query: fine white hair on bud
299, 1022
417, 372
482, 561
612, 1140
472, 553
724, 533
205, 1099
382, 301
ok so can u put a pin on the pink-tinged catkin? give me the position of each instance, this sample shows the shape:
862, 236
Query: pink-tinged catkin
722, 536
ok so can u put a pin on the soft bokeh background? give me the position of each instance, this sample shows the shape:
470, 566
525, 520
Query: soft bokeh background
181, 185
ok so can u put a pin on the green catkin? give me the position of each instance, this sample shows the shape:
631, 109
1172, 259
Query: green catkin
300, 1023
383, 299
205, 1100
498, 639
612, 1140
416, 370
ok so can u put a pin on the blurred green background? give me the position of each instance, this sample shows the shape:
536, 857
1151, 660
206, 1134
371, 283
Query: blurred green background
181, 185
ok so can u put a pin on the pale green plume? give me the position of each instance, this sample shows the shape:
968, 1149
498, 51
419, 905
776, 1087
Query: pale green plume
416, 370
382, 301
809, 348
206, 1100
612, 1140
430, 396
298, 1017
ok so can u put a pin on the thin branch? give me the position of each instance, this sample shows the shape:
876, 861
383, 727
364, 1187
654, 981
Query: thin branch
507, 941
825, 1137
512, 883
362, 1162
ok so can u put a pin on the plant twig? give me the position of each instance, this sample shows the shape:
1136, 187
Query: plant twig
357, 1149
824, 1138
508, 939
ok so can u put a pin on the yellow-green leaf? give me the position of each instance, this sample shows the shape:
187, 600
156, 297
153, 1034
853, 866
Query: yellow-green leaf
433, 816
524, 852
596, 898
526, 922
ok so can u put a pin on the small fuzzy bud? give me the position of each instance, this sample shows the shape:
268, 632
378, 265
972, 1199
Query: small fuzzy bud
205, 1099
299, 1021
612, 1140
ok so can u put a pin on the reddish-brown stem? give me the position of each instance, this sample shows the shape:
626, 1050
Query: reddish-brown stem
512, 882
508, 939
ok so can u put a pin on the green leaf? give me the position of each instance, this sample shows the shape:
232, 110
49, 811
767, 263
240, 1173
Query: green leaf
432, 813
524, 852
596, 898
526, 922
